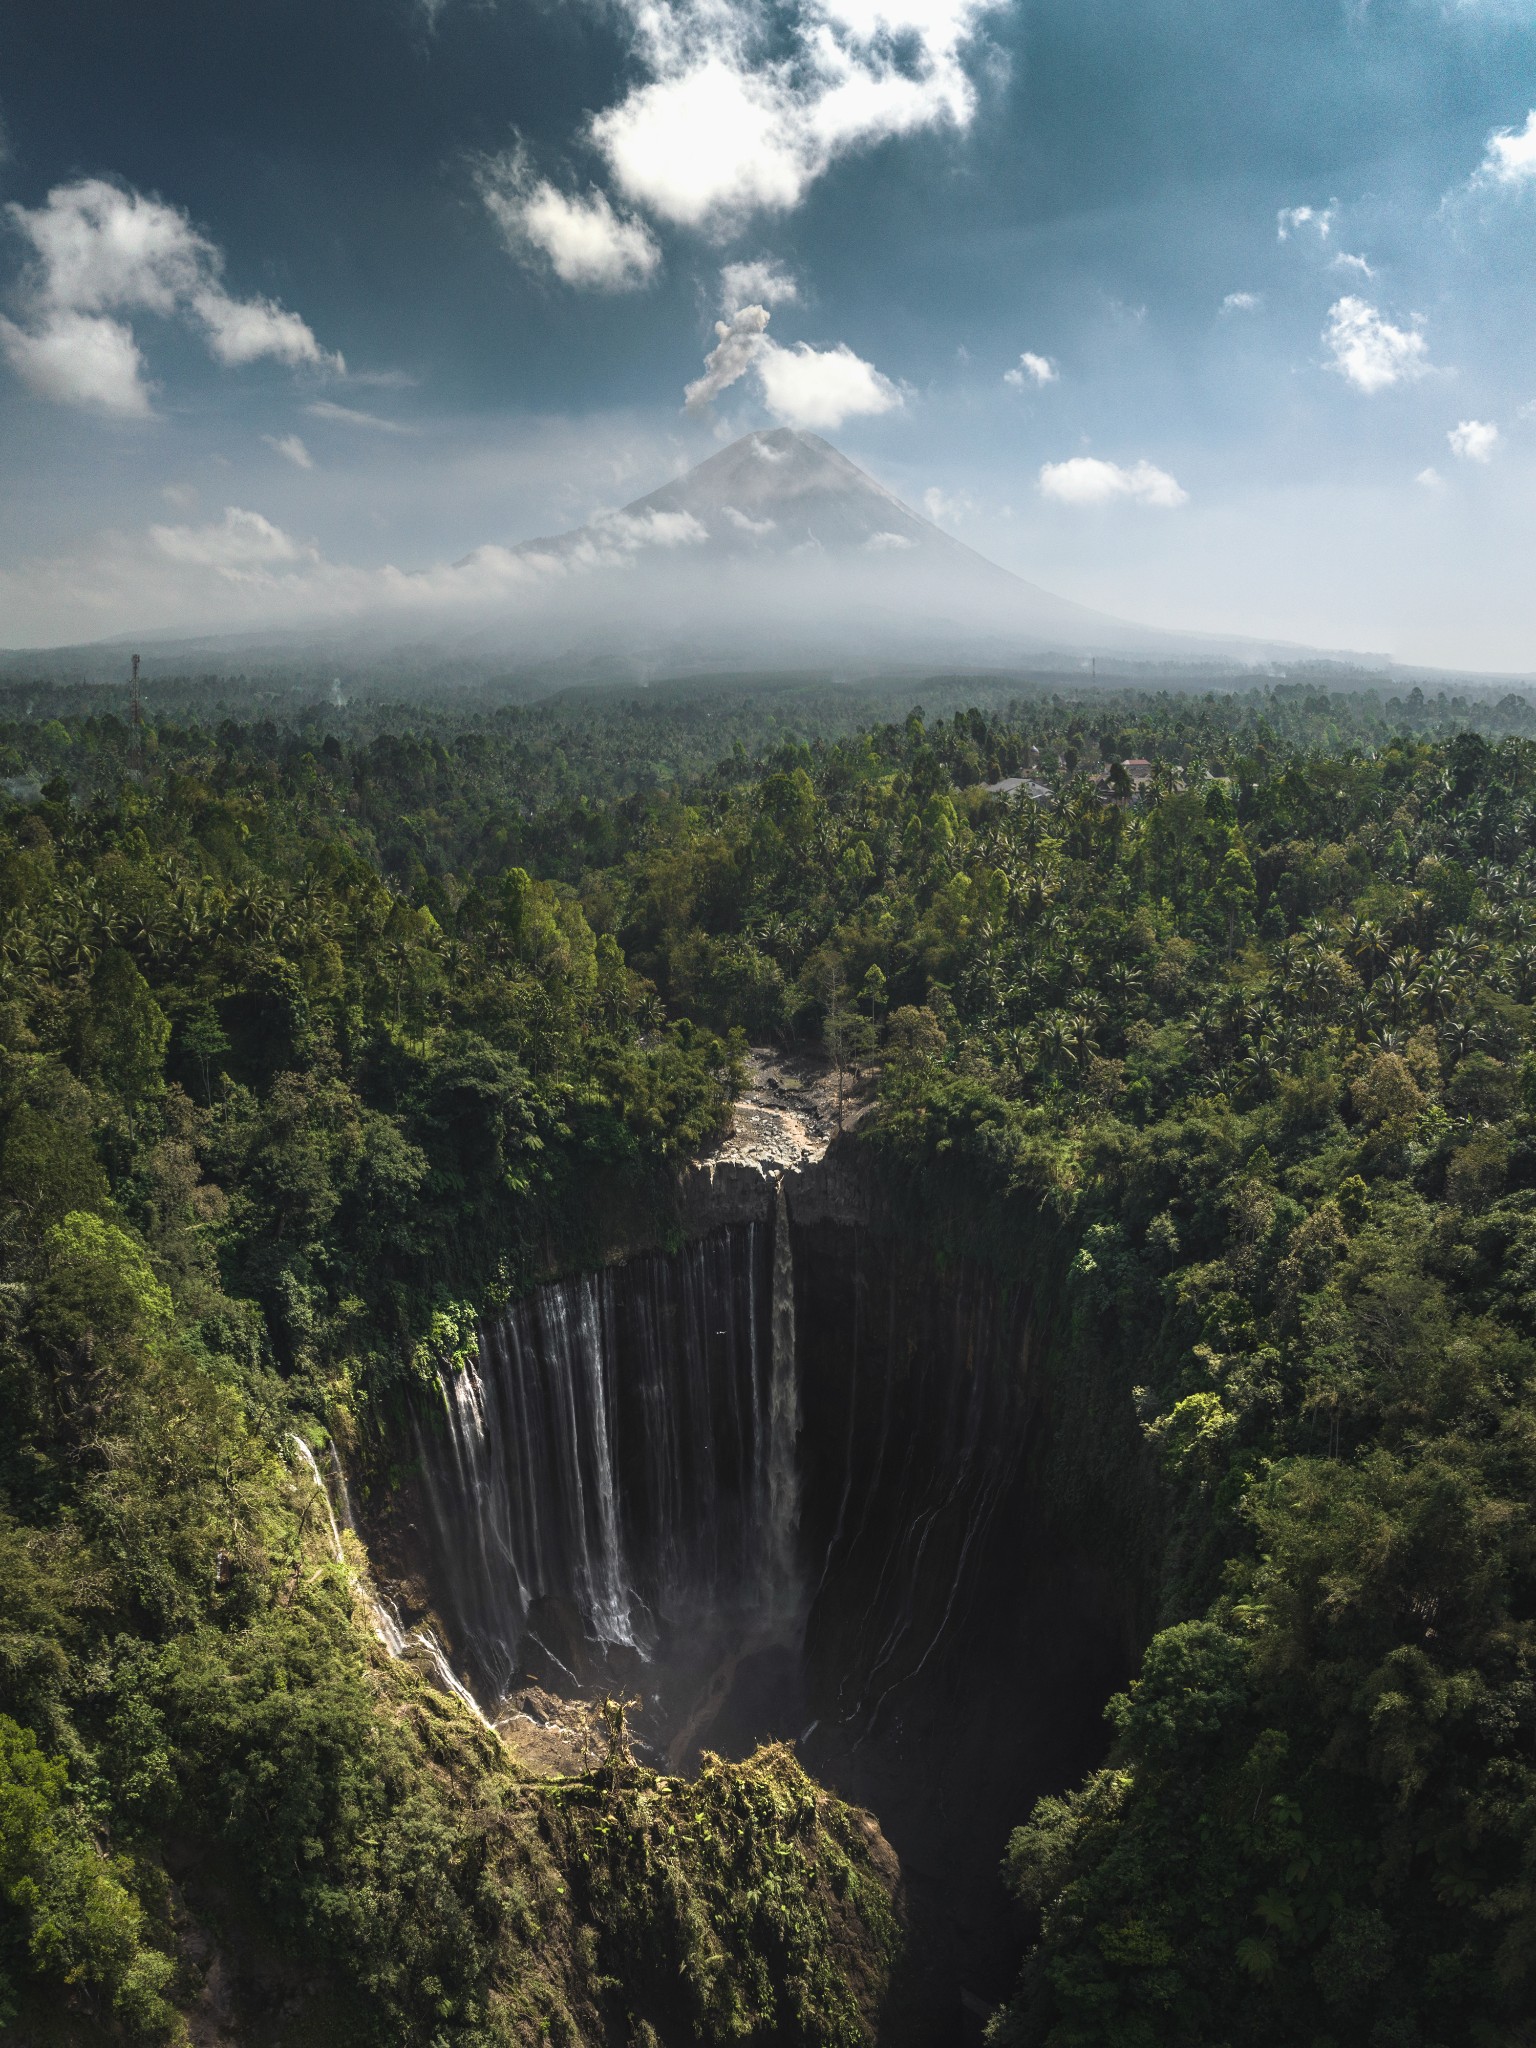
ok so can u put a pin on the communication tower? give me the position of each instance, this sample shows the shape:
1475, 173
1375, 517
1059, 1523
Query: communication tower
137, 715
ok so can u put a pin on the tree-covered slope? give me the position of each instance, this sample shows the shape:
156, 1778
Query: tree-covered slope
266, 1127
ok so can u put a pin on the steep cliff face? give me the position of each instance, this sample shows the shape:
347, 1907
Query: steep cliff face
965, 1630
794, 1479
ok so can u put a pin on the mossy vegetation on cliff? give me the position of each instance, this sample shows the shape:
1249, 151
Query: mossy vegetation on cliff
225, 1805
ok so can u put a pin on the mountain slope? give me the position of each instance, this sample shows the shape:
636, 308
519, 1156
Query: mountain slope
781, 492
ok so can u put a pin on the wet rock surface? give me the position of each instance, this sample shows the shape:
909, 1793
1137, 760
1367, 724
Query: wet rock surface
554, 1735
792, 1123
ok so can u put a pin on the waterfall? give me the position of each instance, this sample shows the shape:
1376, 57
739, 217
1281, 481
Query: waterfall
382, 1618
665, 1464
784, 1421
307, 1460
616, 1468
603, 1575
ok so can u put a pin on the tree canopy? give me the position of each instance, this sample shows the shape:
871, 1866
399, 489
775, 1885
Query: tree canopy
317, 1043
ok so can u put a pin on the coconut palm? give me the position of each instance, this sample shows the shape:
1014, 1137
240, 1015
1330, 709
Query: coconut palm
1460, 1035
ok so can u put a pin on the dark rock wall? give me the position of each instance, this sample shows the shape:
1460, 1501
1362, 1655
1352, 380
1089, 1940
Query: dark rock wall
966, 1627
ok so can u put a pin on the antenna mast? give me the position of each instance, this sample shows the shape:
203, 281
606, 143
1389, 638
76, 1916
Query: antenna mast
137, 715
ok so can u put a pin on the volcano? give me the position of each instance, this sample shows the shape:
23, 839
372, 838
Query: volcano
784, 493
779, 544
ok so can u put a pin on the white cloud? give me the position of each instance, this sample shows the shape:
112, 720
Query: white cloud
802, 386
1318, 218
819, 388
100, 249
1032, 369
291, 448
1088, 480
584, 240
1473, 440
887, 543
944, 509
1431, 479
1511, 155
731, 122
244, 330
241, 543
763, 283
711, 141
1242, 302
739, 342
1357, 264
628, 532
1369, 351
79, 359
743, 523
182, 496
242, 569
349, 416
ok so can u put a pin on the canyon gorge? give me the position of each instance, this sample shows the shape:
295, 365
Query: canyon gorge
795, 1473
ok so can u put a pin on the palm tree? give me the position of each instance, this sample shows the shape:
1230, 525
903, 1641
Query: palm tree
1368, 946
1438, 989
1123, 983
1360, 1013
1071, 971
1316, 980
1255, 1066
1520, 967
1460, 1036
22, 959
1464, 946
1396, 993
254, 910
147, 929
1055, 1039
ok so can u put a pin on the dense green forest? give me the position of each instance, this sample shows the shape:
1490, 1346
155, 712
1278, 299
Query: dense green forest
320, 1032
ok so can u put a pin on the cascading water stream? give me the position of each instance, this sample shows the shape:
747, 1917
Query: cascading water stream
382, 1619
617, 1466
783, 1424
307, 1460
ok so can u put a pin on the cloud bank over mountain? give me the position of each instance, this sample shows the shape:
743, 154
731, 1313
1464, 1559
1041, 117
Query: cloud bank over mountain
777, 550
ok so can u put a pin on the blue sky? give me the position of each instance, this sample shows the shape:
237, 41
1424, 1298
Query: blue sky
1213, 313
